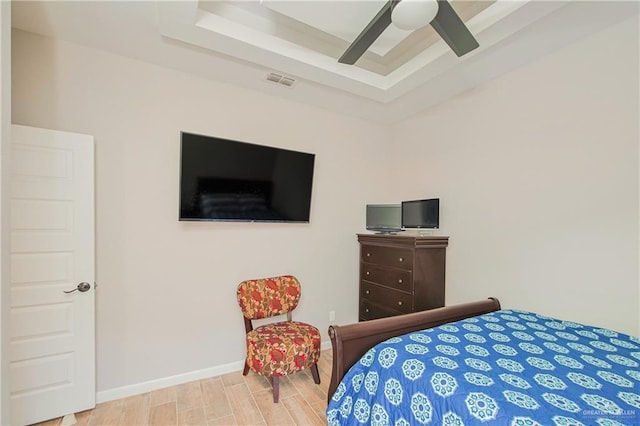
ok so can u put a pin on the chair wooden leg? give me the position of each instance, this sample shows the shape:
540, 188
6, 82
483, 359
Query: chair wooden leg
246, 368
276, 388
315, 373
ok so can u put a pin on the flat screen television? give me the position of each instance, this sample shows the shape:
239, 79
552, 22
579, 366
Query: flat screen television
421, 213
384, 218
227, 180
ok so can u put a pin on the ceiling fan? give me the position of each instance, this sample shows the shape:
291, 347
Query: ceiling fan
410, 15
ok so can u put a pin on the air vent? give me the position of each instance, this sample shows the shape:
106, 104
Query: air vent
287, 81
280, 79
274, 77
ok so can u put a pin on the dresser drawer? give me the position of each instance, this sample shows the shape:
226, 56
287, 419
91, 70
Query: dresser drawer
400, 274
386, 297
394, 278
388, 256
369, 311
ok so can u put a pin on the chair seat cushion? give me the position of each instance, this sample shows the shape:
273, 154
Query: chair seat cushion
282, 348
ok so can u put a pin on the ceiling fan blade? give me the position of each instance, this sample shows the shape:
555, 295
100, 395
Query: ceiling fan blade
453, 31
366, 38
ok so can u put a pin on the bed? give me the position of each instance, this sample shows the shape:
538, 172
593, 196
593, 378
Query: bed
476, 363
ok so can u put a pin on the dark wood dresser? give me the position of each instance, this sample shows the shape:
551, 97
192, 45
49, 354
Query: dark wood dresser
400, 274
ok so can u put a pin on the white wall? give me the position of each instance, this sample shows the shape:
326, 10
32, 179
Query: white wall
5, 137
537, 172
166, 299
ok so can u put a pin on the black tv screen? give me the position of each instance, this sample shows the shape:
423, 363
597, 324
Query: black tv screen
383, 218
421, 213
226, 180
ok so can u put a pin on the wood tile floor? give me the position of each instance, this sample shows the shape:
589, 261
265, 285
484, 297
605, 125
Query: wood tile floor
231, 399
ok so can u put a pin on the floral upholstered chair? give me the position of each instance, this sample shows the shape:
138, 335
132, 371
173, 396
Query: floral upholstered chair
279, 348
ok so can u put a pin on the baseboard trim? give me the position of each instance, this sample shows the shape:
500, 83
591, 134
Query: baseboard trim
178, 379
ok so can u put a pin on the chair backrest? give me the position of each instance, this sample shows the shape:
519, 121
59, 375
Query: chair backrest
268, 297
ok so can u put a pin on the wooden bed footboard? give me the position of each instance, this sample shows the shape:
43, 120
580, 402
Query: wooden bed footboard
351, 341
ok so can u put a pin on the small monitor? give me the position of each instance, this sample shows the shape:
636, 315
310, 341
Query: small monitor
385, 218
421, 213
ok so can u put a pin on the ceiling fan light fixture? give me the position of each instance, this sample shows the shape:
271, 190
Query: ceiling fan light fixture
414, 14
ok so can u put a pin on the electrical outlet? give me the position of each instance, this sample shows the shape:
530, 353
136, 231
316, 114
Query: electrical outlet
332, 316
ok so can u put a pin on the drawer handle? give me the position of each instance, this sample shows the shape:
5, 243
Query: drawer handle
401, 259
367, 292
367, 310
400, 303
367, 272
400, 281
368, 254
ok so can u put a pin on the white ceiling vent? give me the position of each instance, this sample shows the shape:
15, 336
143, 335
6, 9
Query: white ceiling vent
280, 79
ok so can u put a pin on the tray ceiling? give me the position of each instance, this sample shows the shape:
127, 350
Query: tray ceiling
306, 38
297, 42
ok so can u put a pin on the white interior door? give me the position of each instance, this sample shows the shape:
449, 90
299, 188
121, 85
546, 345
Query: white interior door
52, 252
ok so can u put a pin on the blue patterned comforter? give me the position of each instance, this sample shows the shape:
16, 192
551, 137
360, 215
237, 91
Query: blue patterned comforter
507, 367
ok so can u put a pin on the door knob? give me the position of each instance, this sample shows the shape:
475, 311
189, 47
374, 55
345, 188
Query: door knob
82, 287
